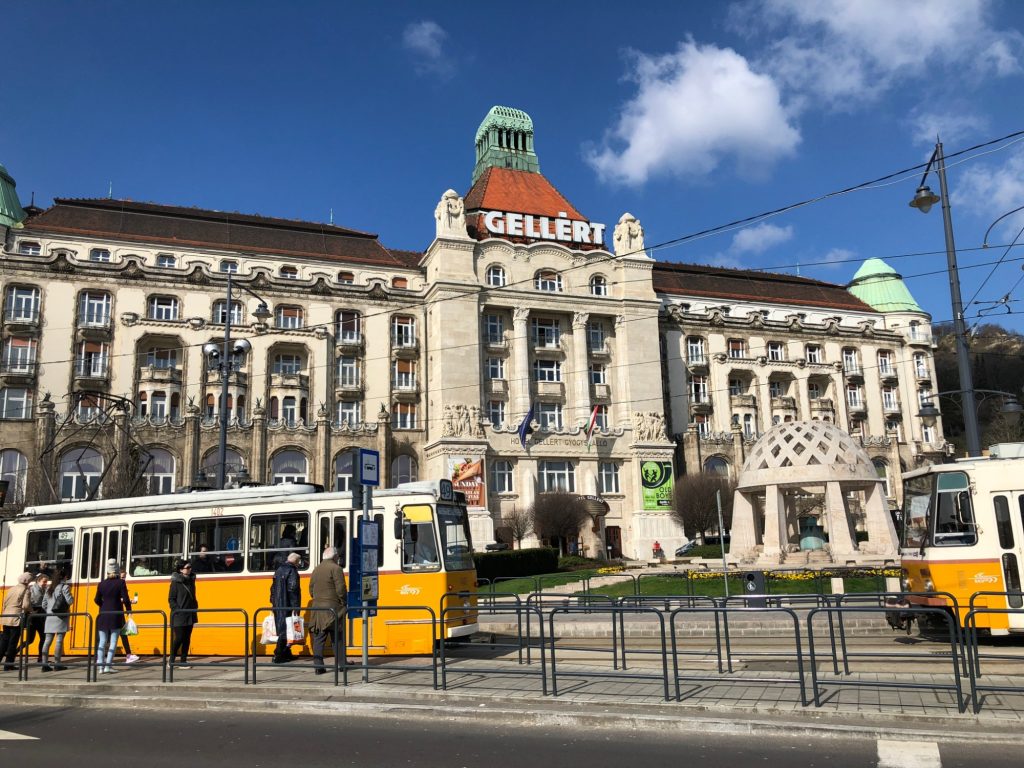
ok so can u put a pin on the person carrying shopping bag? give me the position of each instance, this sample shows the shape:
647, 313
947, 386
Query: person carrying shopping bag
57, 600
286, 598
112, 598
17, 606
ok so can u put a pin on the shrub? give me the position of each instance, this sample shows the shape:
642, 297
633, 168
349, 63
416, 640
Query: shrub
515, 562
708, 551
577, 563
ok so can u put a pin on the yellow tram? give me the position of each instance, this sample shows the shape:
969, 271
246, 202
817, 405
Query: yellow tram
235, 539
963, 533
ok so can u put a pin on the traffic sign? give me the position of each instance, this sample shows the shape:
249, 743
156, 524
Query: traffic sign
369, 467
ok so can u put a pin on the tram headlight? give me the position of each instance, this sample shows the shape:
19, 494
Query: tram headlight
929, 585
905, 583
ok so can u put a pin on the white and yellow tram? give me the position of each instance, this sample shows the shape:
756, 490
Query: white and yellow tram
235, 539
963, 533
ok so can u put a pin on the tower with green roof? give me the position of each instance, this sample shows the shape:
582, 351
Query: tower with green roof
11, 213
882, 288
505, 140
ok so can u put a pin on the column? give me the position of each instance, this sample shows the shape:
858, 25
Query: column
803, 403
258, 469
520, 375
764, 403
41, 479
190, 453
325, 470
839, 538
881, 532
774, 522
744, 524
581, 373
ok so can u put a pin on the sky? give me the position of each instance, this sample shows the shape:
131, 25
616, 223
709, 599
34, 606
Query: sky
689, 115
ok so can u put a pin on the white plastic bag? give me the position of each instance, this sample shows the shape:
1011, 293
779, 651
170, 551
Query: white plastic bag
130, 628
269, 631
296, 630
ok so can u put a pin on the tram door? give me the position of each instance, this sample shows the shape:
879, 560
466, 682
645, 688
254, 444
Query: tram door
332, 531
97, 545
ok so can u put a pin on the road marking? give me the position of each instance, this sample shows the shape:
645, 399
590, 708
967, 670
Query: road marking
12, 736
908, 754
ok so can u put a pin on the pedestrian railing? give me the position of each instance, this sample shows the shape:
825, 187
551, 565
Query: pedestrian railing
197, 613
381, 664
161, 661
337, 637
24, 665
975, 657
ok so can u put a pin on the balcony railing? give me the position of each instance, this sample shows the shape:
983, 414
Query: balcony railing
22, 315
92, 368
18, 367
94, 320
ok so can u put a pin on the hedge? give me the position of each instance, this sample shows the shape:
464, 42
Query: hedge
515, 562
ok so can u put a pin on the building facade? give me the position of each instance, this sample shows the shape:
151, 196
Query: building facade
516, 355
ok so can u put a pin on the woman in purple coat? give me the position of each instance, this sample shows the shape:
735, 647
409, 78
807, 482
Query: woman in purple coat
112, 598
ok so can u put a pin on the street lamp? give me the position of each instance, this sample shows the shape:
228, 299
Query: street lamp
923, 200
228, 359
1010, 405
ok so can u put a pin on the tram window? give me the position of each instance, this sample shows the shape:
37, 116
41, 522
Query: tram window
917, 498
273, 537
214, 544
419, 543
117, 545
340, 539
1003, 525
155, 547
954, 513
49, 550
458, 547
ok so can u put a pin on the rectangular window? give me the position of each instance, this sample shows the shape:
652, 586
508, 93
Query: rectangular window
155, 547
220, 312
49, 549
228, 266
885, 367
547, 370
889, 400
737, 349
601, 419
495, 368
419, 539
348, 412
290, 317
348, 372
695, 350
608, 476
93, 359
920, 366
598, 374
557, 476
894, 425
1004, 528
699, 389
596, 336
736, 387
349, 326
854, 396
851, 363
546, 333
813, 391
403, 331
288, 364
163, 308
22, 304
215, 544
162, 358
26, 248
94, 309
501, 477
403, 416
273, 537
99, 254
549, 415
494, 329
166, 260
776, 350
404, 374
703, 425
496, 412
19, 355
814, 354
775, 389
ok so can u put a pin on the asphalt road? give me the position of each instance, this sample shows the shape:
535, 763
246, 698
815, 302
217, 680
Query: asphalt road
183, 739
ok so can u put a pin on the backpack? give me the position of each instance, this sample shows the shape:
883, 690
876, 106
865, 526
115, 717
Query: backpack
60, 602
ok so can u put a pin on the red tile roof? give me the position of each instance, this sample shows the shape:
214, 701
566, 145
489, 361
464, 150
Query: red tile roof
749, 285
176, 226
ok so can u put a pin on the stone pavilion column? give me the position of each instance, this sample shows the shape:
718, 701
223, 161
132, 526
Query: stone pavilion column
774, 522
839, 538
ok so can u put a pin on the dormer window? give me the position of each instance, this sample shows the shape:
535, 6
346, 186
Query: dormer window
548, 281
496, 276
100, 255
229, 266
28, 248
346, 278
598, 286
166, 260
289, 273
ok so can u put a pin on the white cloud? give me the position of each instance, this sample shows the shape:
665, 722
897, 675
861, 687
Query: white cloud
425, 41
835, 258
988, 191
841, 51
952, 127
759, 238
694, 109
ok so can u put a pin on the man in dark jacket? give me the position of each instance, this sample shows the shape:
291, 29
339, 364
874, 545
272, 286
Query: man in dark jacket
327, 589
287, 598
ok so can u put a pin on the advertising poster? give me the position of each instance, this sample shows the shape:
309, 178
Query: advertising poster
656, 479
467, 475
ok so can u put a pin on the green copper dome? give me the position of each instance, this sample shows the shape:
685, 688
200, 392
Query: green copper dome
505, 140
11, 214
881, 287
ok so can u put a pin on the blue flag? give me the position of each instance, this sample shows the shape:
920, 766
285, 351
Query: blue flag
525, 428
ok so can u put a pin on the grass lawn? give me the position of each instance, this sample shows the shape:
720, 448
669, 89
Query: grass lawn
543, 582
714, 586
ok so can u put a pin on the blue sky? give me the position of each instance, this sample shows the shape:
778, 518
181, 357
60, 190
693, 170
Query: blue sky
687, 114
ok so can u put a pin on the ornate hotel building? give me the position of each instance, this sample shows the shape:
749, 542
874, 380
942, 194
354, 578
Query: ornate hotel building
518, 354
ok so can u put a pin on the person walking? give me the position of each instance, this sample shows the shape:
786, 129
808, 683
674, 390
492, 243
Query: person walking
37, 616
183, 602
112, 598
16, 607
327, 590
130, 658
57, 600
286, 598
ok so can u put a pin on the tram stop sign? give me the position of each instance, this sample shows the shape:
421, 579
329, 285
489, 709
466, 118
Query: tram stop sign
369, 467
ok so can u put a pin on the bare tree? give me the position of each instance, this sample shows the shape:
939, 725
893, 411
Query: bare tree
558, 516
695, 508
519, 523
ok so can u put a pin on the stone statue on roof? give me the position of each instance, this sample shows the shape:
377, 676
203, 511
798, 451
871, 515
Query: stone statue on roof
450, 215
629, 236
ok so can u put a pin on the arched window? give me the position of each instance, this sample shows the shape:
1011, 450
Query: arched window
882, 469
496, 276
80, 473
598, 286
14, 469
99, 254
158, 467
548, 281
343, 471
404, 470
234, 466
716, 465
288, 466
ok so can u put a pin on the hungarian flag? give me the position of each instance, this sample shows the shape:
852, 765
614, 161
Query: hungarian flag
589, 429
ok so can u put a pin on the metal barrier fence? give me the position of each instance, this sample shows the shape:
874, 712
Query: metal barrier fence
337, 637
24, 665
432, 667
244, 664
975, 657
162, 663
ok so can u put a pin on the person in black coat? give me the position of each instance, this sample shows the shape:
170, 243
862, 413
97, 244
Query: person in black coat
112, 598
285, 596
183, 602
